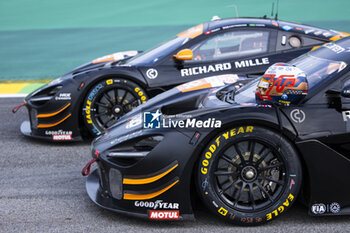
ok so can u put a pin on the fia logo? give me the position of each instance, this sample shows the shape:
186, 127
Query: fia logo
318, 208
151, 120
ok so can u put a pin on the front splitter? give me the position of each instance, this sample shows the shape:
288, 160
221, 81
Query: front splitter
27, 131
94, 191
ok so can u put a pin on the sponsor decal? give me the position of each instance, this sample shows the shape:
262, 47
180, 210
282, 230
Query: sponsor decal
284, 102
224, 136
211, 31
256, 25
234, 26
58, 132
158, 204
155, 120
334, 207
284, 96
297, 115
152, 120
316, 32
60, 135
287, 27
152, 73
164, 214
346, 115
134, 121
281, 208
63, 96
250, 63
309, 31
336, 48
191, 123
205, 69
318, 208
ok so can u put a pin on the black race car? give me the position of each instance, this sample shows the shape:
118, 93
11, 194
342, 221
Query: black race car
94, 96
247, 152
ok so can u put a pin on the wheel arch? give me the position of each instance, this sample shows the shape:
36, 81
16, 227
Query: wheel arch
84, 132
289, 136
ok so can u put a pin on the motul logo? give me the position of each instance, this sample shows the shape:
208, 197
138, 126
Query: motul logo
164, 214
62, 137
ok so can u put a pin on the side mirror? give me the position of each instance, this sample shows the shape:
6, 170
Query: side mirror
185, 54
345, 92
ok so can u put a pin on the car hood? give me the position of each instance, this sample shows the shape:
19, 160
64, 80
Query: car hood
186, 98
101, 61
96, 63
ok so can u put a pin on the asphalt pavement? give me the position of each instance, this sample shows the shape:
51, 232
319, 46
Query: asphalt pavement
42, 190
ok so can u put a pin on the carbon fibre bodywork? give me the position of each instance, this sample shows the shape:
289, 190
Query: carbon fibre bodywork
132, 171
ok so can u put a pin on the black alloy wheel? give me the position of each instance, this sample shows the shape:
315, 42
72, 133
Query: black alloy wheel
108, 101
249, 175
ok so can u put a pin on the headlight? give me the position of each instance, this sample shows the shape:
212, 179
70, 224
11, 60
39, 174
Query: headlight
54, 90
44, 95
131, 151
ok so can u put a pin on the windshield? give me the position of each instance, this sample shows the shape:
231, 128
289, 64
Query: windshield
151, 56
317, 70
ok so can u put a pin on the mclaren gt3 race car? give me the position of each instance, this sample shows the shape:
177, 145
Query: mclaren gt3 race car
94, 96
246, 152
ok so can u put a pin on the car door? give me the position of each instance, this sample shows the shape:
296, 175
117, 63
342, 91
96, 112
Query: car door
234, 51
323, 126
324, 116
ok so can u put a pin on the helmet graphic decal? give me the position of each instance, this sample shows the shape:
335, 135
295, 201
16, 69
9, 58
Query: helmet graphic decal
282, 83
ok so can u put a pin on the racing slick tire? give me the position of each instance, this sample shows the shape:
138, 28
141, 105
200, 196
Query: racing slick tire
108, 100
245, 189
